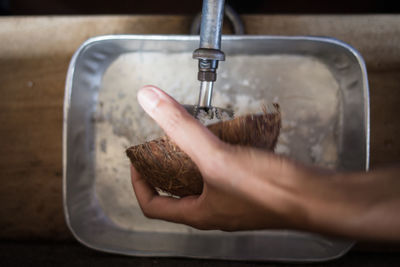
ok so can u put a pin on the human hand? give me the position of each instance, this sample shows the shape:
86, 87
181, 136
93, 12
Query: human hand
244, 188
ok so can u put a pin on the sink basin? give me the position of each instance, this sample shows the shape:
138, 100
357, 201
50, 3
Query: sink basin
322, 88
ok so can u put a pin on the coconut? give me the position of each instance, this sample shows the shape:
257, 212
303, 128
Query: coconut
166, 167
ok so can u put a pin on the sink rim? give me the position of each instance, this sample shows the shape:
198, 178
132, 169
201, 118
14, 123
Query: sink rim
91, 41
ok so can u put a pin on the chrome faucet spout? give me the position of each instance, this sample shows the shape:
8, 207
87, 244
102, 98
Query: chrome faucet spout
209, 52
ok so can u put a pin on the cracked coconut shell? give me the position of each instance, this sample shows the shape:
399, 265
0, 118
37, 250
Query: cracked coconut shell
166, 167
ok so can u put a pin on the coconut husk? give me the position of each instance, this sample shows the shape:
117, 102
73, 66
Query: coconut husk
165, 166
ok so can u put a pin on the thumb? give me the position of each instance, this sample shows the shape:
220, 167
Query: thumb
187, 132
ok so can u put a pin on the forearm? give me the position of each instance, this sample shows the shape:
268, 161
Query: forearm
358, 205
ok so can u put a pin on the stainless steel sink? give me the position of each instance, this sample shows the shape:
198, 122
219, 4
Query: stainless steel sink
320, 83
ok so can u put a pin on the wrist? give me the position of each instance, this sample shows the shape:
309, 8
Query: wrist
287, 190
307, 196
302, 210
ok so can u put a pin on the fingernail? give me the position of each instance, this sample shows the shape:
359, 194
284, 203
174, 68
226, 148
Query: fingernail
148, 98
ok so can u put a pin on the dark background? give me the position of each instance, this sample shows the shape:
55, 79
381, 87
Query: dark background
58, 7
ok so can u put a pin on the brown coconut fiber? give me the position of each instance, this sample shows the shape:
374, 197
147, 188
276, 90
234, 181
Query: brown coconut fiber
166, 167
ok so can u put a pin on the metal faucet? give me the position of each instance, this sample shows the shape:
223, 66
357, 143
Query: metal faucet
209, 52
